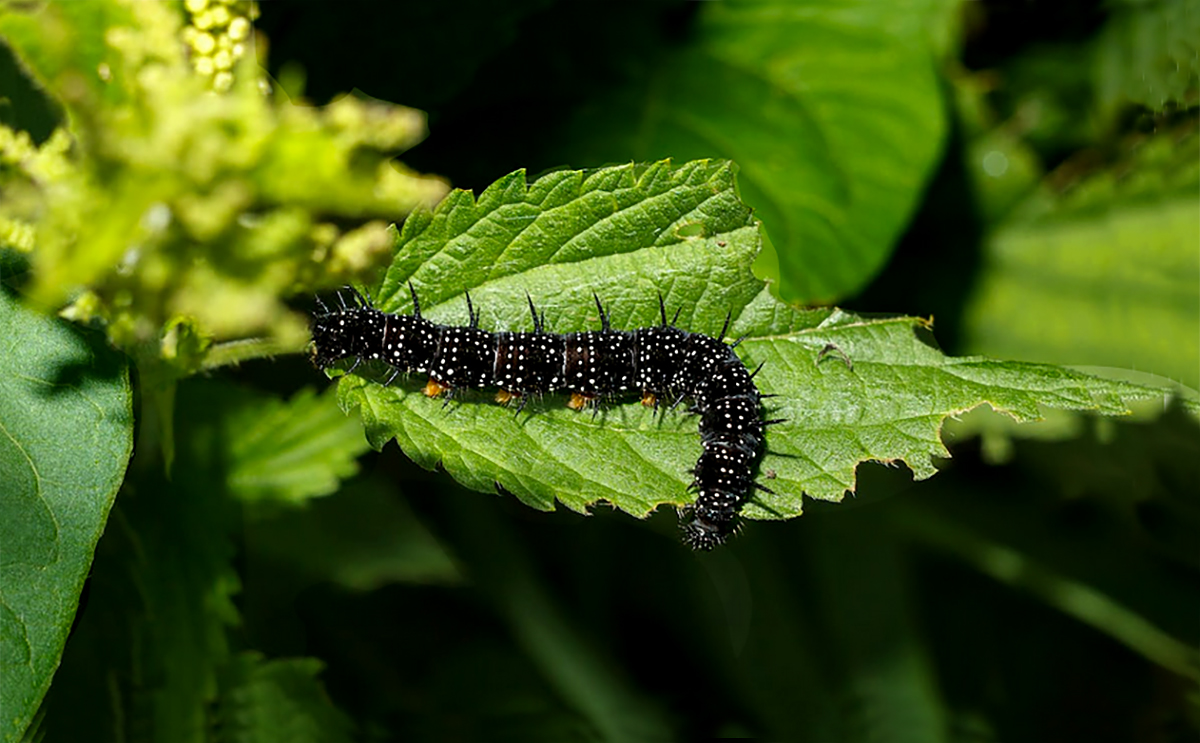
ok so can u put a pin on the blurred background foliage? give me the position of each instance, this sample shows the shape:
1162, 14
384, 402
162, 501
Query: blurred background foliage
1025, 172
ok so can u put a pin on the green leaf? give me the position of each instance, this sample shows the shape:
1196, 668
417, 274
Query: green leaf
554, 224
154, 637
277, 700
1105, 275
288, 451
66, 433
616, 232
831, 109
1147, 53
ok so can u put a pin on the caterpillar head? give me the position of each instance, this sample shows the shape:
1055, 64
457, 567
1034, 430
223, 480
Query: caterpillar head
335, 337
343, 331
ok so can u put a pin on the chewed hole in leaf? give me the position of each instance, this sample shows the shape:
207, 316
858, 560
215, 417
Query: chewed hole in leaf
691, 231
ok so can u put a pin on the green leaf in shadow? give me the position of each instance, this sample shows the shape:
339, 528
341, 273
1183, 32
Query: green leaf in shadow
277, 700
1147, 54
66, 433
288, 451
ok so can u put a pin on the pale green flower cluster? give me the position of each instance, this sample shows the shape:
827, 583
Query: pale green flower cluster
23, 164
179, 219
217, 37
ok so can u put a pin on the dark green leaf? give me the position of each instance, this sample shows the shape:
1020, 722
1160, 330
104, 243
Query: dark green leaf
289, 451
277, 700
66, 433
1149, 53
832, 110
166, 582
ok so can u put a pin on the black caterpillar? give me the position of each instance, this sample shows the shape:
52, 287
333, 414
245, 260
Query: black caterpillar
662, 363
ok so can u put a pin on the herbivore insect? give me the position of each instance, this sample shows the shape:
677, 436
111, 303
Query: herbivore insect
662, 364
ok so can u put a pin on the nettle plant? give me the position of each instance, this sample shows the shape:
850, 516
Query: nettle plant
179, 219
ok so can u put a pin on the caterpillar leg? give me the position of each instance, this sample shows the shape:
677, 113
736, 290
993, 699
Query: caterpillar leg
580, 401
506, 398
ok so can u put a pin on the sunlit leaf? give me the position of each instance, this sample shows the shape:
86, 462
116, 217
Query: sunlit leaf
882, 396
1105, 275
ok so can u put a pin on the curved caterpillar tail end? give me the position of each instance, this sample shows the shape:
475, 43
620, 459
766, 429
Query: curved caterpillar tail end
702, 535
